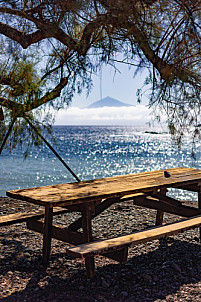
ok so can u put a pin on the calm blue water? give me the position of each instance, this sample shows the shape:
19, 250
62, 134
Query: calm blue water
93, 152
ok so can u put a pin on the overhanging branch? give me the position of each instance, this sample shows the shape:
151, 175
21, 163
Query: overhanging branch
22, 38
20, 109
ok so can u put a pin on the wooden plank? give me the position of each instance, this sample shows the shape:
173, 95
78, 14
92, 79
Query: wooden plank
151, 203
58, 232
76, 225
159, 217
120, 255
75, 238
85, 191
164, 198
199, 204
94, 248
73, 208
47, 234
10, 219
160, 214
87, 234
189, 187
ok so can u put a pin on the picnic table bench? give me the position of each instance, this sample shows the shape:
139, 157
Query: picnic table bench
91, 198
10, 219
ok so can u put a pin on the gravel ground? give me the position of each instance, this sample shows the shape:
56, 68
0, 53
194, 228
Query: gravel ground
162, 270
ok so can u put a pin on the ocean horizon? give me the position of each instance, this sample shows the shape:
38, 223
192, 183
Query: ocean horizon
95, 152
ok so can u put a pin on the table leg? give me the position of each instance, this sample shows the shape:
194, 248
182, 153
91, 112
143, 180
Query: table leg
160, 213
159, 217
199, 206
47, 236
87, 231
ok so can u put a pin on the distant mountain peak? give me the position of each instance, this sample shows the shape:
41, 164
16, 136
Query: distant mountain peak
108, 102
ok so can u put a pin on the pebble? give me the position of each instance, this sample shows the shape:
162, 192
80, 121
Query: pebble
65, 279
124, 294
176, 267
147, 278
26, 254
108, 278
105, 283
128, 264
36, 289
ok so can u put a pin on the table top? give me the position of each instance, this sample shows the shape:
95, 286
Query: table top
97, 189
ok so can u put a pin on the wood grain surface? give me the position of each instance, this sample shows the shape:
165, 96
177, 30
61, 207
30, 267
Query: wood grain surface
22, 217
93, 248
97, 189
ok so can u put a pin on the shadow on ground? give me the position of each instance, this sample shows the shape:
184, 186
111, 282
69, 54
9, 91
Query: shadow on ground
157, 275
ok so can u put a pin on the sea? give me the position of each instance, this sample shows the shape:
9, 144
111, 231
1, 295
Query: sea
95, 152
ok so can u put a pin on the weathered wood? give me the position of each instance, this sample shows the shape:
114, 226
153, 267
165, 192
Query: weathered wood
58, 232
73, 208
160, 214
120, 255
65, 235
159, 217
47, 233
151, 203
85, 191
199, 204
95, 248
74, 238
87, 234
114, 189
189, 187
167, 199
22, 217
76, 225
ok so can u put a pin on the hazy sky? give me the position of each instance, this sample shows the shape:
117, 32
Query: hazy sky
121, 86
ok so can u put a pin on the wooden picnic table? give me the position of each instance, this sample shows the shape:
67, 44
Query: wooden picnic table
92, 197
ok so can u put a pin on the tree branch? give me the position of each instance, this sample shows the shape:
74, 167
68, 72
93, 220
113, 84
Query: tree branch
88, 31
15, 12
16, 108
167, 71
19, 110
22, 38
51, 95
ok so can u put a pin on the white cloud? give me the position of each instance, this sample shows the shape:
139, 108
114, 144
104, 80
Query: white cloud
136, 115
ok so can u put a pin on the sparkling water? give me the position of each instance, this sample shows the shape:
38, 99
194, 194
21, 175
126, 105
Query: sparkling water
94, 152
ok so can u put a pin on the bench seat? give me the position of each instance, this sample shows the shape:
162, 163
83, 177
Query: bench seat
10, 219
103, 246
